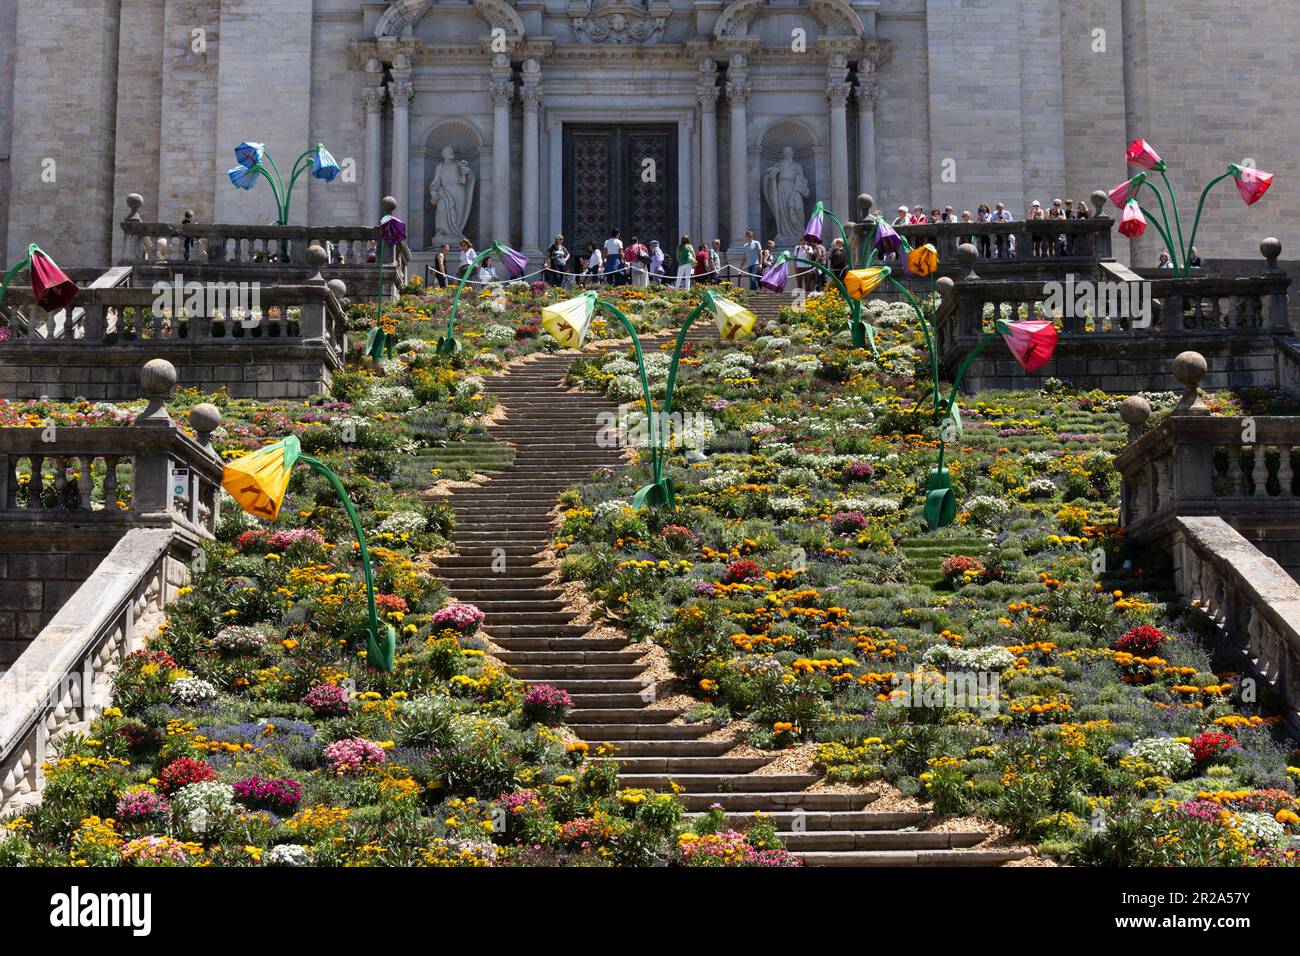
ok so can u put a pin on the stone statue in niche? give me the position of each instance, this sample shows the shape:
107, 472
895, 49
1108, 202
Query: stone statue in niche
451, 191
785, 188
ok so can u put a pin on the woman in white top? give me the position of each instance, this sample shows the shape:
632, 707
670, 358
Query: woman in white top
486, 273
595, 262
467, 255
656, 259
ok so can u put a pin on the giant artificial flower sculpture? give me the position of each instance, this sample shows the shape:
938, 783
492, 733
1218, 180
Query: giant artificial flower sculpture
776, 275
1251, 183
258, 482
568, 323
253, 160
392, 232
859, 283
1033, 343
52, 289
923, 260
513, 262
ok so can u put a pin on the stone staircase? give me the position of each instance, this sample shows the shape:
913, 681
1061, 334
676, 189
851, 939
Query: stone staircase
553, 433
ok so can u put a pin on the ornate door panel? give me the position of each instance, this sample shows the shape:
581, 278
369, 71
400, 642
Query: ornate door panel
609, 184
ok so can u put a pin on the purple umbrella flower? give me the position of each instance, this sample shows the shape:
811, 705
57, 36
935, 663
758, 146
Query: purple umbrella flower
813, 231
887, 240
777, 274
392, 230
513, 261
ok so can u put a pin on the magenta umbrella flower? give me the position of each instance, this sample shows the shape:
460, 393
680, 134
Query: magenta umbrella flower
887, 240
513, 261
392, 230
812, 232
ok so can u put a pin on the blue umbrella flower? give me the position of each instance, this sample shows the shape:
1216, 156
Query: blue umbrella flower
323, 166
244, 177
249, 154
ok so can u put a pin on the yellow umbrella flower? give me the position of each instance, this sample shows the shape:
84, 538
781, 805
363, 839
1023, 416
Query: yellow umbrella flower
258, 480
860, 283
569, 321
734, 321
923, 260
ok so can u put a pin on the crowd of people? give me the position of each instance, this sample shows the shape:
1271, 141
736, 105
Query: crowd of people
640, 263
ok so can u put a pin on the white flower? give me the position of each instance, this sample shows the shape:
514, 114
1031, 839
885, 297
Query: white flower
192, 690
1260, 827
402, 522
287, 854
991, 658
201, 808
1168, 756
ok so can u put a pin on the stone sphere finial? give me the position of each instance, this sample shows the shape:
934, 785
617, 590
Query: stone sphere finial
865, 204
158, 379
1135, 410
943, 285
1189, 368
389, 205
134, 202
1098, 199
317, 257
206, 418
966, 256
339, 288
1270, 249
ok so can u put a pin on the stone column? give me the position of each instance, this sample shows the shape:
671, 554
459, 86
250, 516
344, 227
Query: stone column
738, 167
373, 98
707, 94
531, 95
868, 94
837, 93
401, 92
502, 90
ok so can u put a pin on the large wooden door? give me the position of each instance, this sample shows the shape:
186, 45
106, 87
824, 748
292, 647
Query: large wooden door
609, 184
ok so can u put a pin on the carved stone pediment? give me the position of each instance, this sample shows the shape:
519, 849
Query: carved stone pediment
618, 21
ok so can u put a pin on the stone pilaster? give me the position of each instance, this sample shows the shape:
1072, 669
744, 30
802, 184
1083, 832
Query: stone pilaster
738, 172
868, 92
402, 92
707, 92
837, 94
530, 94
502, 92
372, 98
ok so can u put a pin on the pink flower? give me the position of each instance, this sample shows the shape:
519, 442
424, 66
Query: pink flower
1251, 183
1126, 190
1141, 153
1031, 341
1132, 224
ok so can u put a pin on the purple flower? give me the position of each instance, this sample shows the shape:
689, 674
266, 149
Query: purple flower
513, 261
887, 240
777, 275
812, 232
392, 230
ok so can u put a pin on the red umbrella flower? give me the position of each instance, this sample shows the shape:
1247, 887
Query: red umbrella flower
1141, 153
1031, 341
53, 289
1127, 190
1132, 224
1251, 183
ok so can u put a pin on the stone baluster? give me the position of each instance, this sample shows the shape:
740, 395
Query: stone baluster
36, 482
132, 244
1235, 487
8, 482
313, 309
1259, 472
1285, 472
151, 473
85, 481
110, 481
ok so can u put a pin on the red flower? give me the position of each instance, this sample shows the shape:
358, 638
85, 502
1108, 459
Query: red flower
183, 772
1127, 190
1132, 223
1251, 183
53, 289
1141, 640
740, 571
1031, 341
1211, 744
1141, 153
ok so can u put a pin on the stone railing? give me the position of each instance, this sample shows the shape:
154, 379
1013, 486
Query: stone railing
1193, 463
149, 472
1254, 603
245, 313
277, 252
1086, 240
64, 678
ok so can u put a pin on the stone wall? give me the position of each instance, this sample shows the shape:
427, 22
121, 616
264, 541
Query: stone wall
111, 372
8, 24
139, 103
41, 566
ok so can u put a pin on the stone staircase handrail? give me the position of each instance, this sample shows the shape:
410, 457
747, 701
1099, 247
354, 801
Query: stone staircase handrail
1087, 240
1255, 603
62, 680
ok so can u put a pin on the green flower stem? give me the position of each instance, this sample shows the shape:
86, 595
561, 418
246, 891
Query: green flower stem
1168, 241
1178, 222
929, 340
18, 267
855, 306
1187, 259
844, 236
1166, 232
299, 167
377, 656
455, 302
875, 231
677, 350
655, 457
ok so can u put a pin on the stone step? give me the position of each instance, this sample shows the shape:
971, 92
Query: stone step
619, 715
562, 644
630, 688
602, 701
775, 801
493, 551
590, 672
625, 732
880, 840
826, 820
913, 857
474, 595
571, 657
507, 618
691, 765
714, 782
669, 748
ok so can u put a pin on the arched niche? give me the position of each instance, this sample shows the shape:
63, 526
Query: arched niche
771, 144
463, 137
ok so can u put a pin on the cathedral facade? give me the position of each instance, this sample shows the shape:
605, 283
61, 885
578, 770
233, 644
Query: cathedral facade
521, 119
